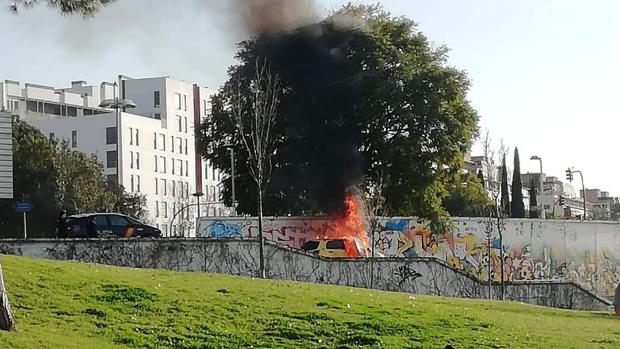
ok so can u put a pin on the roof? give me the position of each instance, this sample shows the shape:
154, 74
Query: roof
83, 215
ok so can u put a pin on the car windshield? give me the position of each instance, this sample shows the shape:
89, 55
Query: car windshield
311, 245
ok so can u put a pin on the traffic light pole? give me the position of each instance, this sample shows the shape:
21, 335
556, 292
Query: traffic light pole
560, 200
569, 176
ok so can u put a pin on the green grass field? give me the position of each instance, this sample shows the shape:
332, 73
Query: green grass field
73, 305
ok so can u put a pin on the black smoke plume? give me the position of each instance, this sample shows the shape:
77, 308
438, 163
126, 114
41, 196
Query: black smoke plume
323, 137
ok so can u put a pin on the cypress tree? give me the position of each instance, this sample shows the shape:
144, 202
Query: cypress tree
517, 208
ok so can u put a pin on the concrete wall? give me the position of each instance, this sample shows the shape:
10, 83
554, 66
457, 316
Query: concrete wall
587, 253
428, 276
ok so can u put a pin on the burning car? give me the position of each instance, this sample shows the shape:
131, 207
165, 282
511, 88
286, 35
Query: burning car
336, 248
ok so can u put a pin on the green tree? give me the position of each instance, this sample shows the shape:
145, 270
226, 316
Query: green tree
354, 103
517, 206
615, 212
467, 197
34, 180
66, 7
505, 196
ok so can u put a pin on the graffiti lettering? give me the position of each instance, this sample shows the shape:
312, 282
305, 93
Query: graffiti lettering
406, 274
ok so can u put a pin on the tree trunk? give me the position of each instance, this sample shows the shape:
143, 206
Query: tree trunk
7, 321
261, 245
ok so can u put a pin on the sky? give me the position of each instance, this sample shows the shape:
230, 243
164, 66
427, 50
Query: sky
544, 73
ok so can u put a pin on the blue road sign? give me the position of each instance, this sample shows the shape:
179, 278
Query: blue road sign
23, 206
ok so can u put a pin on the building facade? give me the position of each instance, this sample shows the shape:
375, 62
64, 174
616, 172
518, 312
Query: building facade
150, 150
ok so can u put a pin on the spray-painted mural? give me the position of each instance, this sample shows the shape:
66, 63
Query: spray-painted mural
585, 252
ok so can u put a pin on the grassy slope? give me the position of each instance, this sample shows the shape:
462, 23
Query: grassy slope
72, 305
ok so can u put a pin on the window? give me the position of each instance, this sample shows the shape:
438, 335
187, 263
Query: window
174, 189
138, 183
51, 136
187, 190
172, 165
213, 193
335, 245
156, 101
184, 102
118, 221
179, 124
156, 186
204, 107
133, 189
156, 208
112, 179
137, 137
155, 162
157, 116
71, 111
207, 192
206, 170
155, 140
137, 160
130, 136
186, 169
164, 187
73, 139
111, 159
180, 165
163, 164
185, 124
181, 190
311, 245
131, 159
165, 226
180, 145
110, 135
213, 173
163, 142
185, 146
13, 105
219, 175
177, 99
172, 144
165, 209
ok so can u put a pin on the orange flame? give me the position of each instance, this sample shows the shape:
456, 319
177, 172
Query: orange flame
350, 227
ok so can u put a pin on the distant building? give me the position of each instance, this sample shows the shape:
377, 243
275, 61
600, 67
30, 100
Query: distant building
156, 154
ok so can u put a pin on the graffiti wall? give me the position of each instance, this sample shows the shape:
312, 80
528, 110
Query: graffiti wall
427, 276
585, 252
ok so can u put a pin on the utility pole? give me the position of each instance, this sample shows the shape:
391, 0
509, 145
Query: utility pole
543, 215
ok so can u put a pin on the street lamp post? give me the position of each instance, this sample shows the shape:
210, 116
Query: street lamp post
232, 177
117, 104
198, 195
542, 190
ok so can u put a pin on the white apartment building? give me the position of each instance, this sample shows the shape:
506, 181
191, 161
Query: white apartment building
156, 146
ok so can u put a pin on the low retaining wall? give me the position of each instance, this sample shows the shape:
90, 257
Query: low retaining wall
427, 276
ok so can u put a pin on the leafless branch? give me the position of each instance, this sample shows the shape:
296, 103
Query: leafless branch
256, 129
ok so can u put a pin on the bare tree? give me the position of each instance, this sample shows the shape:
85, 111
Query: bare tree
493, 178
376, 207
7, 321
488, 167
255, 133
